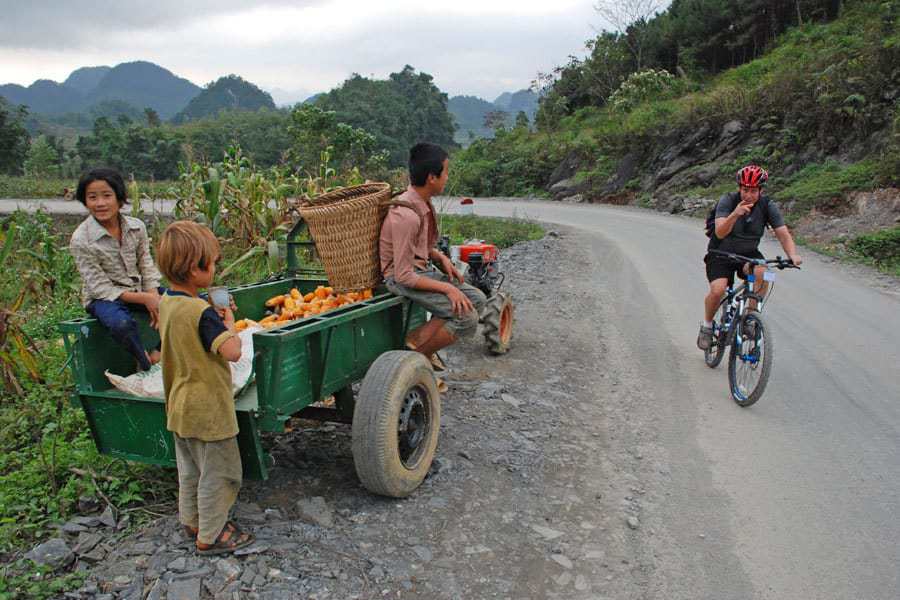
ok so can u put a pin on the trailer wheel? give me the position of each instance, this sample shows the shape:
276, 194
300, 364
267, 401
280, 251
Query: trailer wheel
497, 319
396, 423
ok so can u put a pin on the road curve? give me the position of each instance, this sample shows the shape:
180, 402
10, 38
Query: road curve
811, 473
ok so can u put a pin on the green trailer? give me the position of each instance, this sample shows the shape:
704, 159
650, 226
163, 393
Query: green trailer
395, 414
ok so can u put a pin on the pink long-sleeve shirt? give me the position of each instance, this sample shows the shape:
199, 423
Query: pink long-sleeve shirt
407, 237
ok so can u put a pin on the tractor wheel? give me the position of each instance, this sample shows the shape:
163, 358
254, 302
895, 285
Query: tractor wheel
396, 423
497, 320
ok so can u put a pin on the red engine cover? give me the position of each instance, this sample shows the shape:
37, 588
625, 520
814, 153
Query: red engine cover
488, 251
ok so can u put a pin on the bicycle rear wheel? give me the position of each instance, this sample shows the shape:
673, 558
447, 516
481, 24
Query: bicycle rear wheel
750, 361
713, 355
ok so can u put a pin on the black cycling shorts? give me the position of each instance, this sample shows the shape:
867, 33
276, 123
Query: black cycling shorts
720, 267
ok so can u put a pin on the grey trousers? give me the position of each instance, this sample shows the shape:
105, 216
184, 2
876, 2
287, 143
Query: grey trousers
209, 478
438, 304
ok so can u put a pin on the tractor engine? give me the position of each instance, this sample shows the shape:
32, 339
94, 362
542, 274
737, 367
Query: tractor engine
483, 271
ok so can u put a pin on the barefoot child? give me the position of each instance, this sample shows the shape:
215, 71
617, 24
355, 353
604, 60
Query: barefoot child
197, 344
112, 253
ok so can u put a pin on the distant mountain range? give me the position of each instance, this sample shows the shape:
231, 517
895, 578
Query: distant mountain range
128, 88
470, 111
141, 84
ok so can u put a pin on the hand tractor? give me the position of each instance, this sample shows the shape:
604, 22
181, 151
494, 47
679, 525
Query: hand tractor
483, 271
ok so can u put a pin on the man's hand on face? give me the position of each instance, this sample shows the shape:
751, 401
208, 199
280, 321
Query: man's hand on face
743, 209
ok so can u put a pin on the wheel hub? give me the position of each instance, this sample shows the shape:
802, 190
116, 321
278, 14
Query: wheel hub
413, 424
506, 323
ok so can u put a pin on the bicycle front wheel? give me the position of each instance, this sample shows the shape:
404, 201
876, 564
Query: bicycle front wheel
713, 355
750, 361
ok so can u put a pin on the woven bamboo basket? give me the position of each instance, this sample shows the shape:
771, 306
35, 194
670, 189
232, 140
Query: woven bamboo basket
345, 225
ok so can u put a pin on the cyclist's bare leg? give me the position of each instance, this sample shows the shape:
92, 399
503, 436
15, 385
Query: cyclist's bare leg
761, 285
717, 288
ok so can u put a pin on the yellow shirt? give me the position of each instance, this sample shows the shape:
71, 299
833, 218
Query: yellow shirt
199, 398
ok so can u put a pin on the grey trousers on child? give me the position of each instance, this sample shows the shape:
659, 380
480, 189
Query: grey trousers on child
439, 305
209, 478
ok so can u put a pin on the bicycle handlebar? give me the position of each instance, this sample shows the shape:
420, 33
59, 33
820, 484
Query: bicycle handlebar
777, 262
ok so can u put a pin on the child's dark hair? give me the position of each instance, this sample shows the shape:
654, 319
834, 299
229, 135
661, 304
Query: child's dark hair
110, 176
425, 159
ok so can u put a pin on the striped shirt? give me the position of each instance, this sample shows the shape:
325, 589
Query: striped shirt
109, 268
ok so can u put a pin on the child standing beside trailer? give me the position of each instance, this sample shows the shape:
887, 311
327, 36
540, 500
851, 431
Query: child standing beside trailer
198, 342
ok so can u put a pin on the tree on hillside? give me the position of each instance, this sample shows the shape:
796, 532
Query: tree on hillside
152, 117
404, 109
316, 133
13, 138
496, 119
522, 120
630, 17
42, 159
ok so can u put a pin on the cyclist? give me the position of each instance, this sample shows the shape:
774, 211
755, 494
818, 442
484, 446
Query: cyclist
740, 219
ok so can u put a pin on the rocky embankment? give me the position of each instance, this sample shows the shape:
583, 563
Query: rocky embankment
671, 174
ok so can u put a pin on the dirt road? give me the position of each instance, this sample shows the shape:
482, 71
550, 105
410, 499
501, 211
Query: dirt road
796, 497
600, 458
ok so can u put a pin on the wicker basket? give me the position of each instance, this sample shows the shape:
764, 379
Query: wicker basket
345, 225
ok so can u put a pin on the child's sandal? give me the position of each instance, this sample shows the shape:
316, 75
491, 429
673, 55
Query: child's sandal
191, 532
229, 540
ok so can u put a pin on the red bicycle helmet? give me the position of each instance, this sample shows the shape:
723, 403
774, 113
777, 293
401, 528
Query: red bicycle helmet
752, 176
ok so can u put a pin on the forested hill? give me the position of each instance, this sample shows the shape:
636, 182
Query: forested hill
227, 93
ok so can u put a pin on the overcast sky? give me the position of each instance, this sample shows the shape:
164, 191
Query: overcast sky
294, 49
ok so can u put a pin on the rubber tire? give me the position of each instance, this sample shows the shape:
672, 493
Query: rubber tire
714, 354
766, 366
376, 453
491, 319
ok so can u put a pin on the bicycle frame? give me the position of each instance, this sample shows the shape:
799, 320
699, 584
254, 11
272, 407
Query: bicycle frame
739, 297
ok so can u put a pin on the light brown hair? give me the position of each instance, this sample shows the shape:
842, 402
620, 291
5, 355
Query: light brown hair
183, 246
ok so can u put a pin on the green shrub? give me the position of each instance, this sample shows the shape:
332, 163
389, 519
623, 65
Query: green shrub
25, 579
882, 248
827, 180
650, 84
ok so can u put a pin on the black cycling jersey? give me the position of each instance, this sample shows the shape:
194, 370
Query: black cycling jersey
747, 231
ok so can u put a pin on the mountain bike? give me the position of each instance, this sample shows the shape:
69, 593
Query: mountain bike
741, 326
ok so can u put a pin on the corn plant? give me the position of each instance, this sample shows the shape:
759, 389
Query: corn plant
250, 208
18, 354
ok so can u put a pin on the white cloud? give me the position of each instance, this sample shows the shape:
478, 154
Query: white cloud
481, 47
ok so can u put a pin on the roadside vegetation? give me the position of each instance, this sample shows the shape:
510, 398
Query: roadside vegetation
881, 249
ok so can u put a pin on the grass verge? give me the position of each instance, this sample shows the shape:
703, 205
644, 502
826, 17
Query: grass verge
501, 232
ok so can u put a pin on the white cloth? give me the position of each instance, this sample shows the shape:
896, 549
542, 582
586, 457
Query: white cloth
149, 384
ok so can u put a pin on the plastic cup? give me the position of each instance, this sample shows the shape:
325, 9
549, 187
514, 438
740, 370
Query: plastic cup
219, 296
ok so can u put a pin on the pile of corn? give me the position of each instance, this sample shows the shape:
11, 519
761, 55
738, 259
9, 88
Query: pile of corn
294, 305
